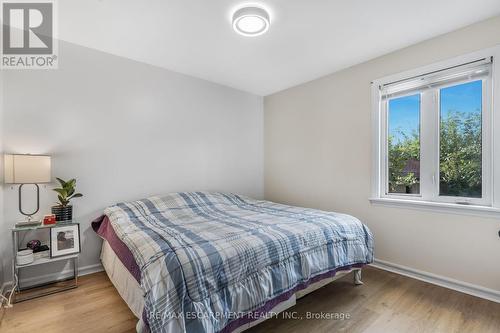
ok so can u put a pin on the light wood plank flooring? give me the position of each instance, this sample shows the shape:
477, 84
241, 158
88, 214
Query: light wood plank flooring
386, 303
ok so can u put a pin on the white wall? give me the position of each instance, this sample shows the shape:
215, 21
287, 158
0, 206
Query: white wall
318, 154
127, 130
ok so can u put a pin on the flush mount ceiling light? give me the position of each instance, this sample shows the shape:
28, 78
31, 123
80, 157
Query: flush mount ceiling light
251, 21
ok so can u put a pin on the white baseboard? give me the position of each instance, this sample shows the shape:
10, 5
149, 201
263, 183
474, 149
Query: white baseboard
464, 287
39, 279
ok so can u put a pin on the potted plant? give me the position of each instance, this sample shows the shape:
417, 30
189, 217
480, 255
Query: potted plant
64, 211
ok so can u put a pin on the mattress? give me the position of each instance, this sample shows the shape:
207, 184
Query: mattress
124, 282
216, 253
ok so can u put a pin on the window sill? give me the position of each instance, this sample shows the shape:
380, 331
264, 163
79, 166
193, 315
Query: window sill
439, 207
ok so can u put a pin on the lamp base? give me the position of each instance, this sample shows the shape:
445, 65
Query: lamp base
28, 223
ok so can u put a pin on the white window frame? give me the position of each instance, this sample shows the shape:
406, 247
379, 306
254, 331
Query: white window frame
429, 130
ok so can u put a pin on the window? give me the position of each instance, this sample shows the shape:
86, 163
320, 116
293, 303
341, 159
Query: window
434, 135
403, 142
460, 140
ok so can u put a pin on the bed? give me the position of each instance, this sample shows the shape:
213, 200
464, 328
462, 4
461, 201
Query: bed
218, 262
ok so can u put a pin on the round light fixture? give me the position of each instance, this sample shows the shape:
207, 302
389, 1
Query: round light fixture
251, 21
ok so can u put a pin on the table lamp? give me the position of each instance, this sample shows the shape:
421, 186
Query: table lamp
27, 169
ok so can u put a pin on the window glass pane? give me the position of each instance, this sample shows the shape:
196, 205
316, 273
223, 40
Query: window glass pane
460, 156
404, 145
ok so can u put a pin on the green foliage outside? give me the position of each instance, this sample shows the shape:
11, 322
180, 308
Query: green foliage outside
460, 156
400, 152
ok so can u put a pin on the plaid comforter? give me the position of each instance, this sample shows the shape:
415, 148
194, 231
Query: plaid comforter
207, 259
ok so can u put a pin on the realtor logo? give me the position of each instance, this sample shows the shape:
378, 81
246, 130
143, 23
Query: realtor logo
28, 35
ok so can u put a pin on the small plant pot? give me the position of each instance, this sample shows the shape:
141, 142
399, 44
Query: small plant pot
63, 213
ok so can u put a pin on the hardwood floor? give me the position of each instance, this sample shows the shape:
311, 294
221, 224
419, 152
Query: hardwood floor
390, 303
386, 303
95, 306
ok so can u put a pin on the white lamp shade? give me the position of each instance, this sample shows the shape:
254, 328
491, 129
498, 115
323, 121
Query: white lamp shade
27, 169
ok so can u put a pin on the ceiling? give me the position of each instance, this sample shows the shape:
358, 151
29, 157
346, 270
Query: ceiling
307, 39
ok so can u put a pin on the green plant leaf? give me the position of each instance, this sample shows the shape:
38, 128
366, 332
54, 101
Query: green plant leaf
63, 201
62, 182
62, 192
76, 195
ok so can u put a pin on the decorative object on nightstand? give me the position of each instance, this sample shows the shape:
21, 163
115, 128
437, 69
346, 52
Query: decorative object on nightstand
64, 211
67, 249
64, 240
49, 219
37, 246
34, 244
27, 169
24, 257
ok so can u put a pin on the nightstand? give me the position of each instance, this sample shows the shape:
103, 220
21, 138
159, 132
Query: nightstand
41, 258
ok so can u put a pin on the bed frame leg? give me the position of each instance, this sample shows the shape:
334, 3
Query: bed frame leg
357, 277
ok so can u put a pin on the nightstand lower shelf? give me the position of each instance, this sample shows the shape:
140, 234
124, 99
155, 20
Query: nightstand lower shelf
43, 289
